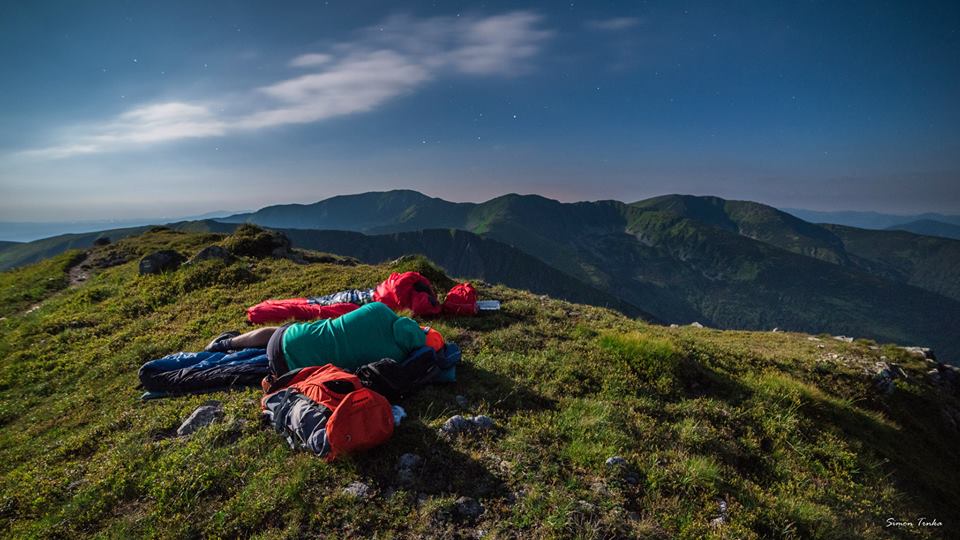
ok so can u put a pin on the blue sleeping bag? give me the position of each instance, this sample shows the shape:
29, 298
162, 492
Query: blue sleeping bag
194, 372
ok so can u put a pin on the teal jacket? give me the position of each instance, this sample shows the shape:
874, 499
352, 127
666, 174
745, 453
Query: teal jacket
362, 336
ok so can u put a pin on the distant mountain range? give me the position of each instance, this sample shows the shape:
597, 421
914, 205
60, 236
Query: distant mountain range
929, 227
869, 220
26, 231
676, 258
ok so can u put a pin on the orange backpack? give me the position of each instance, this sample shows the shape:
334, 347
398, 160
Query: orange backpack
328, 411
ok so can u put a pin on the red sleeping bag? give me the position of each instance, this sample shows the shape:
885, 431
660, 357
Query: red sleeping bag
461, 300
408, 290
272, 311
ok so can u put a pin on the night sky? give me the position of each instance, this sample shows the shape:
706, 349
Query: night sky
126, 109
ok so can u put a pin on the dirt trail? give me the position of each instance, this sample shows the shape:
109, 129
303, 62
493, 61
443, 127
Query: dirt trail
79, 273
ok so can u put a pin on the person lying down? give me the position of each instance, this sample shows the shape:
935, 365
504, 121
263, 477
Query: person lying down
356, 338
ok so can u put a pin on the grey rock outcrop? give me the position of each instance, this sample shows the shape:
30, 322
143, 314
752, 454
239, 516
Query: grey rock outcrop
165, 260
201, 417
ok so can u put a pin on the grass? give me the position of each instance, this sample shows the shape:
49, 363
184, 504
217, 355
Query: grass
797, 443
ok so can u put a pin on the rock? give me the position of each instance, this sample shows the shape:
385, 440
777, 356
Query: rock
462, 402
946, 375
111, 259
844, 339
812, 338
358, 490
674, 325
467, 508
616, 461
722, 518
600, 489
922, 352
885, 374
102, 241
409, 461
160, 261
484, 423
695, 324
203, 416
456, 424
775, 330
212, 253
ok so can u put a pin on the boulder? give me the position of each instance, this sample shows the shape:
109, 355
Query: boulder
213, 253
921, 352
203, 416
845, 339
885, 374
102, 241
695, 324
165, 260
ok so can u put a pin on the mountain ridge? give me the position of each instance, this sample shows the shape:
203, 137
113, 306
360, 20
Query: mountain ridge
678, 258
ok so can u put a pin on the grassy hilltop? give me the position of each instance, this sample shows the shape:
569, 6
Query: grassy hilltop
787, 432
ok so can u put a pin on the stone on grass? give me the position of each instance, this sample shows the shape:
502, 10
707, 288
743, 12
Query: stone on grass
210, 253
922, 352
357, 490
484, 423
203, 416
845, 339
616, 461
458, 424
165, 260
467, 508
696, 324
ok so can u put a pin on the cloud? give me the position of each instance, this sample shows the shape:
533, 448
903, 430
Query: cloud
382, 63
614, 24
310, 60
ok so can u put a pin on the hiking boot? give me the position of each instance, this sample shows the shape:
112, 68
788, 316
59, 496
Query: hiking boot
221, 343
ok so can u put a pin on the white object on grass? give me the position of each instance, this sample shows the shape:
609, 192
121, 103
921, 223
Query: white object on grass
488, 305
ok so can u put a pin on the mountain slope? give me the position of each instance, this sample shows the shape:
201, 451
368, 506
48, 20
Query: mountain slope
929, 227
731, 264
922, 261
25, 253
790, 433
366, 212
463, 254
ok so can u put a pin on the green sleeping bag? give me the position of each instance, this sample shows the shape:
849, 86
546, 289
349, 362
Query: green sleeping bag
362, 336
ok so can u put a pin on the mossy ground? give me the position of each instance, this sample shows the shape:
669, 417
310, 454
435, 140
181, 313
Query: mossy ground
788, 432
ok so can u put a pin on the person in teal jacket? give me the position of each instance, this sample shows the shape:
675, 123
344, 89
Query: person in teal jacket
362, 336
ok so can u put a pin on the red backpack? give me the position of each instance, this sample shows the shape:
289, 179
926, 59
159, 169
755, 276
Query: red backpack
461, 300
328, 411
408, 290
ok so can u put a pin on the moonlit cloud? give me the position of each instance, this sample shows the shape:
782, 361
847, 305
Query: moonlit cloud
310, 60
383, 62
614, 24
